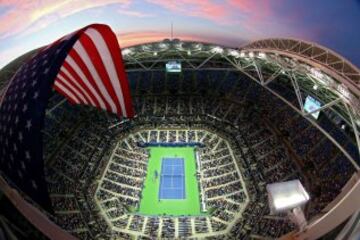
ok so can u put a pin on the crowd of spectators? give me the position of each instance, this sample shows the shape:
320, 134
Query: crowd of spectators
95, 166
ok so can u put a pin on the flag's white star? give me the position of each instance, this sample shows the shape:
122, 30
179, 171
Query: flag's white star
25, 108
27, 155
20, 137
33, 184
36, 95
20, 174
28, 124
23, 165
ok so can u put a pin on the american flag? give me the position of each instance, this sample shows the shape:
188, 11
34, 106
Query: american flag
85, 66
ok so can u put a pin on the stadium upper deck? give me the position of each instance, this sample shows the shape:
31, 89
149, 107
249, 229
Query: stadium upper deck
303, 68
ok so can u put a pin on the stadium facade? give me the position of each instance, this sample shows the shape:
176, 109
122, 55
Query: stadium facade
294, 96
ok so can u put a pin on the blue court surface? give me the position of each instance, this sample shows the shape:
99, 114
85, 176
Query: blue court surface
172, 179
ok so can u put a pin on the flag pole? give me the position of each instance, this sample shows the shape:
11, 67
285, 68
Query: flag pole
172, 31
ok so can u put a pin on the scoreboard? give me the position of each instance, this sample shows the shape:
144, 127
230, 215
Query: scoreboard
173, 67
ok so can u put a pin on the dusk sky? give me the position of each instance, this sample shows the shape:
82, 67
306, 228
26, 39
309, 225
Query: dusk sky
28, 24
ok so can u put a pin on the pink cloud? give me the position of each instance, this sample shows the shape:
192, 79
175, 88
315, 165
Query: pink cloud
249, 15
223, 12
201, 8
25, 15
134, 38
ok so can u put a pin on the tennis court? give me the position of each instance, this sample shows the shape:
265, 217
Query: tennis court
189, 201
172, 181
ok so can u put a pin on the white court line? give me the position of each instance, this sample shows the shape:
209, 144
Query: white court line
170, 174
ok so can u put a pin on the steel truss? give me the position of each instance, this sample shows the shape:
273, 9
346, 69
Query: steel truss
303, 64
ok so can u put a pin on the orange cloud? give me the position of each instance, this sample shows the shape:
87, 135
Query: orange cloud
134, 38
25, 15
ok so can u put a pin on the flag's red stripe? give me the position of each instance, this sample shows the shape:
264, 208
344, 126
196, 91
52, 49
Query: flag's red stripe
106, 57
100, 68
75, 86
81, 82
88, 75
69, 89
71, 100
113, 45
97, 90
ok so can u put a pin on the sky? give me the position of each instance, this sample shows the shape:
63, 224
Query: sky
335, 24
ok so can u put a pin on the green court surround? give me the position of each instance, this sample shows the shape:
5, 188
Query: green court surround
150, 204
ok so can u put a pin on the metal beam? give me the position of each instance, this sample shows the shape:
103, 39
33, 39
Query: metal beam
186, 60
206, 60
312, 121
258, 70
135, 60
328, 105
272, 77
297, 91
354, 126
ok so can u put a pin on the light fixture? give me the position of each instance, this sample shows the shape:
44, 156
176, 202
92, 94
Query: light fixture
217, 50
251, 54
234, 53
262, 55
317, 73
343, 90
189, 52
357, 122
284, 196
315, 87
155, 53
126, 52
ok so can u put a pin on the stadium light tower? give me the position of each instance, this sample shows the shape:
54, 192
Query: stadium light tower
288, 197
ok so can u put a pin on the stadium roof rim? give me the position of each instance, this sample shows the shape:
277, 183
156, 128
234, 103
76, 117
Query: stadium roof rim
319, 55
308, 66
311, 53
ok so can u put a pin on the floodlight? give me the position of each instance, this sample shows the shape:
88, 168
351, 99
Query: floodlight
162, 45
251, 54
316, 73
284, 196
288, 197
315, 87
342, 89
198, 46
262, 55
234, 53
126, 52
155, 53
217, 50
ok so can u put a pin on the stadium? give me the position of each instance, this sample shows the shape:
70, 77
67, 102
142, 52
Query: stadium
213, 126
